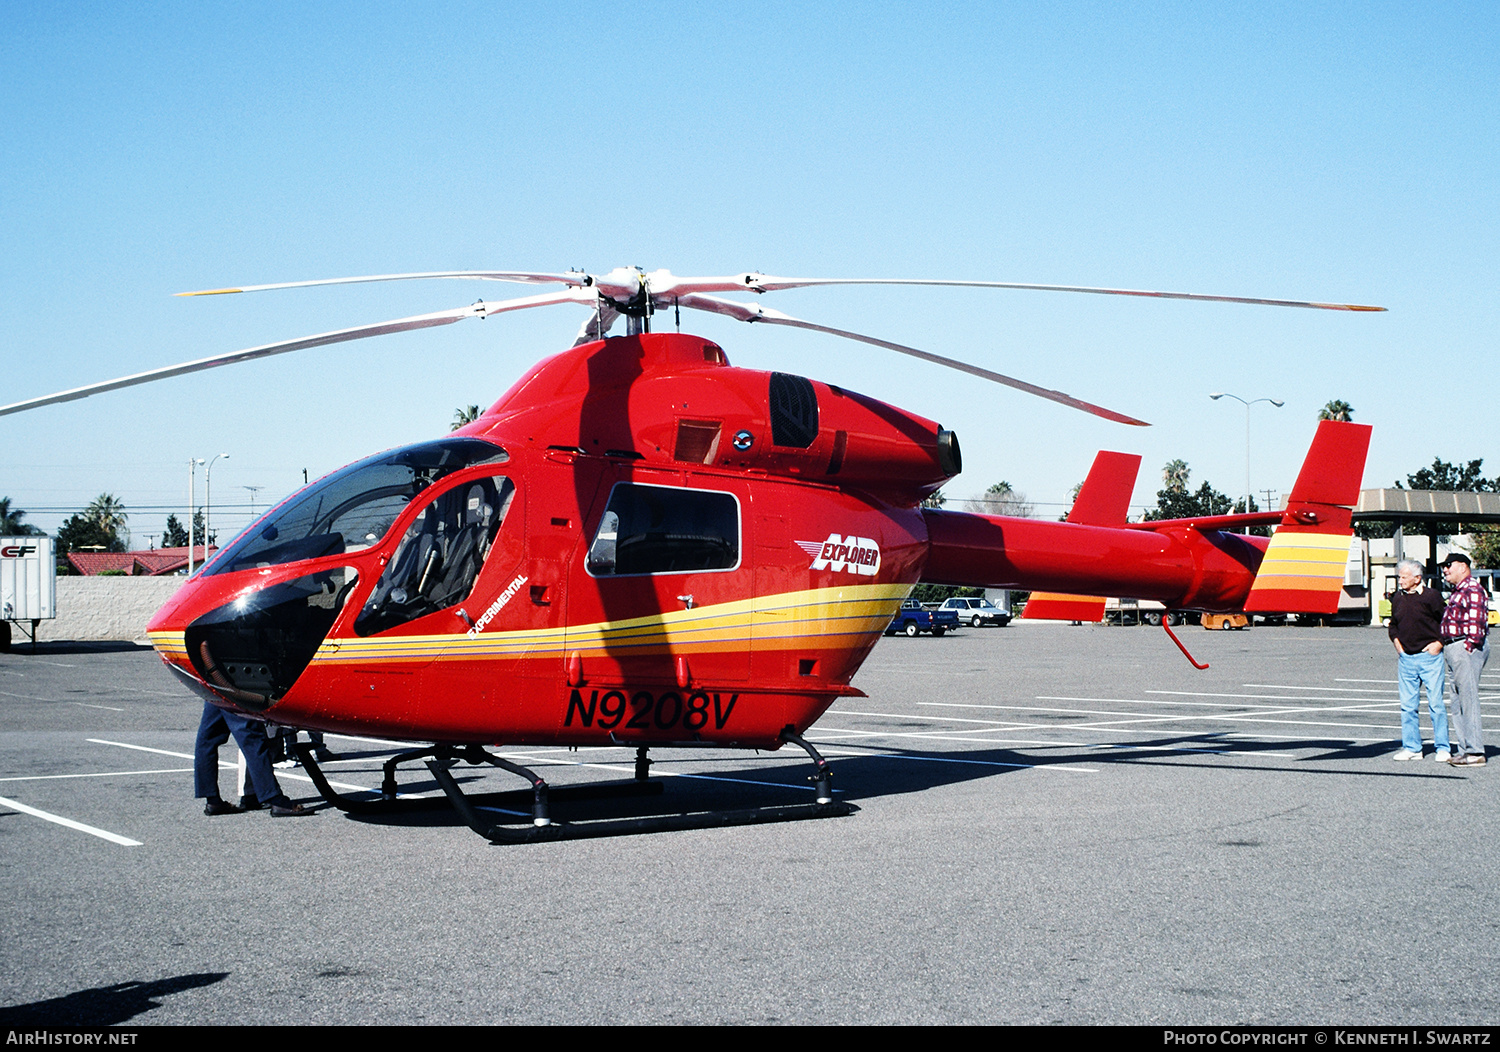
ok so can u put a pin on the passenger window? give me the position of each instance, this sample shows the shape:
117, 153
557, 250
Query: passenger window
662, 529
440, 555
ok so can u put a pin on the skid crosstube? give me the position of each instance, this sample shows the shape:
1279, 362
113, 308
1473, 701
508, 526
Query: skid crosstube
515, 799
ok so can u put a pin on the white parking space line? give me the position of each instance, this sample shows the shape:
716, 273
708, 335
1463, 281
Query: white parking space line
140, 748
1345, 690
86, 705
1047, 743
100, 774
1264, 710
1260, 713
1264, 697
1240, 705
104, 834
992, 725
1128, 718
1393, 734
189, 756
391, 743
1158, 720
1065, 767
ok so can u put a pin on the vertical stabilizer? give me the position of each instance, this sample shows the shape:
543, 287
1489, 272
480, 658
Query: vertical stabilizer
1104, 497
1103, 500
1303, 569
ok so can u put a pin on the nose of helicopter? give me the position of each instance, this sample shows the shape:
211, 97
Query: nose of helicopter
243, 640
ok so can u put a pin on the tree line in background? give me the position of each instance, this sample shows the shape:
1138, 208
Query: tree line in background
1443, 476
101, 527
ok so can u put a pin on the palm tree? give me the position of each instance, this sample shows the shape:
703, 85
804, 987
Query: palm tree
1002, 499
463, 416
107, 512
1174, 474
10, 521
1337, 410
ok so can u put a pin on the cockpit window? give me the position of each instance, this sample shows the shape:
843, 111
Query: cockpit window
353, 508
440, 555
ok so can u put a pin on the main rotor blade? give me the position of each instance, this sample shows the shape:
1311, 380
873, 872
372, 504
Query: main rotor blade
527, 277
667, 286
623, 282
753, 312
419, 321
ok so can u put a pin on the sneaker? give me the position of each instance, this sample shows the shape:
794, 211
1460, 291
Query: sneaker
1402, 755
1473, 759
1443, 756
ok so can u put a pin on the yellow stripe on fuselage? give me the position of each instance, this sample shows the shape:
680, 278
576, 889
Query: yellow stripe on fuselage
169, 644
819, 616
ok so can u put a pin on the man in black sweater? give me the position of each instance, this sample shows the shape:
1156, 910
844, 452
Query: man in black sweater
1416, 620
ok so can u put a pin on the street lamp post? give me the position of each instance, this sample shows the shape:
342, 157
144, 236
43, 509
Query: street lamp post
192, 485
208, 500
1225, 394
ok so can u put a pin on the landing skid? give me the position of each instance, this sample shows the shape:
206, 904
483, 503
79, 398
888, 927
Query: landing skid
392, 804
541, 796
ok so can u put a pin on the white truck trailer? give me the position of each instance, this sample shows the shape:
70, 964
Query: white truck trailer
28, 585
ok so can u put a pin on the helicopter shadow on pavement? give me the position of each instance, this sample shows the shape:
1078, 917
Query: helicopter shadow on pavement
735, 786
23, 649
908, 771
104, 1005
735, 783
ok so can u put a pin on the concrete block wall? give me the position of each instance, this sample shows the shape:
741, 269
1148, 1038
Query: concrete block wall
104, 608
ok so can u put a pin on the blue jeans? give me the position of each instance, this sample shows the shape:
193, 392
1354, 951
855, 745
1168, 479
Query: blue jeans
1412, 671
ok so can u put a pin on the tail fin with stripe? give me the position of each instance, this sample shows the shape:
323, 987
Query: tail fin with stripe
1303, 569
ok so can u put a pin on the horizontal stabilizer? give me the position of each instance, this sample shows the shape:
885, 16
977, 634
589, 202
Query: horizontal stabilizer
1104, 497
1055, 606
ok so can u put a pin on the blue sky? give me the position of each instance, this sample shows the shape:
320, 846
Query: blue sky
1326, 151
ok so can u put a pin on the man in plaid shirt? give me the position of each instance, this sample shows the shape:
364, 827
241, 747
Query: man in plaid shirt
1466, 648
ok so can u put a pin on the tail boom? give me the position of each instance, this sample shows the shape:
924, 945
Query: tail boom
1177, 566
1186, 564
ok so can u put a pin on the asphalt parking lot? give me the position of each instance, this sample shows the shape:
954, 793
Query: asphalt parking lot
1055, 824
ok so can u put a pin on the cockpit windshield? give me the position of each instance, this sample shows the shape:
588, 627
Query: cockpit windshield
353, 508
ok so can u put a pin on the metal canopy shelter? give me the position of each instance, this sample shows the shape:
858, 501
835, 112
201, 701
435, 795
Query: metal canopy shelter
1428, 507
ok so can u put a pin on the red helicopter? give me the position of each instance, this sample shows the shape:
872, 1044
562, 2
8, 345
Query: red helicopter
640, 544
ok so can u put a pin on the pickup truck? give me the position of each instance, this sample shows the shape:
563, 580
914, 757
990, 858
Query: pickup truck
913, 619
